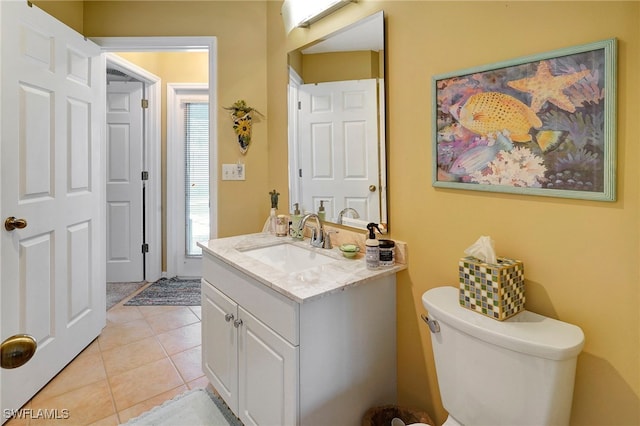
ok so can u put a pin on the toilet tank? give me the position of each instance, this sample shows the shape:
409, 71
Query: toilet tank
515, 372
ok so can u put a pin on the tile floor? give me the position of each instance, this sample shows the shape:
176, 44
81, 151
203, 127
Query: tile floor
144, 356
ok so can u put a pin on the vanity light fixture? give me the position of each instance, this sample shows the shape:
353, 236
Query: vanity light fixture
302, 13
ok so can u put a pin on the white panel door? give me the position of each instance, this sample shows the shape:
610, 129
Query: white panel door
124, 182
268, 375
52, 272
338, 144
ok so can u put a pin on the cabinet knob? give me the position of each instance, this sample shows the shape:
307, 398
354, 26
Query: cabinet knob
237, 323
228, 317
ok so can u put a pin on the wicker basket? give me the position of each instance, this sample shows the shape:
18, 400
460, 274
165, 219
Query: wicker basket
382, 416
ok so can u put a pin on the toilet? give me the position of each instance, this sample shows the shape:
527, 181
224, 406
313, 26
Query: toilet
515, 372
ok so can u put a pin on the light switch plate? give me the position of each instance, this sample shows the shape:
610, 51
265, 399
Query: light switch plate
233, 171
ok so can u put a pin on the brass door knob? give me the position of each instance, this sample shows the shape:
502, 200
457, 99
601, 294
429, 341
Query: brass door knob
17, 350
372, 188
12, 223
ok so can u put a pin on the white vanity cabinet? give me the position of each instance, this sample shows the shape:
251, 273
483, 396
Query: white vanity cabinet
278, 360
251, 366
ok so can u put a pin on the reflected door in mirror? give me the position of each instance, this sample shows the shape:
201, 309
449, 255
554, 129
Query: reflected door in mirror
338, 148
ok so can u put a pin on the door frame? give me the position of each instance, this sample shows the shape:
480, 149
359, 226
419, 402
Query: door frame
295, 81
150, 44
174, 91
150, 161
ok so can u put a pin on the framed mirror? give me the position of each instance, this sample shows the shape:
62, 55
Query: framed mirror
337, 125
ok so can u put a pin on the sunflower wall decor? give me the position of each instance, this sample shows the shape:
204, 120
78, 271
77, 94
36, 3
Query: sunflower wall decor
242, 122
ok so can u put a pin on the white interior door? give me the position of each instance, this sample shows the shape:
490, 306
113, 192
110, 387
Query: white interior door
124, 182
338, 144
52, 117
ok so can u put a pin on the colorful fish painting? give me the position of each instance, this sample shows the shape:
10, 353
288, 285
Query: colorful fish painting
536, 123
478, 157
489, 113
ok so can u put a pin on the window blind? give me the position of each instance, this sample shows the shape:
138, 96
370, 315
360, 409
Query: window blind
196, 176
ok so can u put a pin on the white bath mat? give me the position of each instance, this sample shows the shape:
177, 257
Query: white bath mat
197, 407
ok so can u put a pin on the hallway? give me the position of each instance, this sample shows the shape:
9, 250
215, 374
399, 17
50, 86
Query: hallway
144, 356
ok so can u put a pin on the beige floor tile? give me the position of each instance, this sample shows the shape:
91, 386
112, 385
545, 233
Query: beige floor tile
181, 339
127, 368
85, 369
172, 320
121, 334
127, 357
83, 406
197, 310
93, 347
142, 383
131, 412
148, 311
120, 314
189, 363
107, 421
199, 383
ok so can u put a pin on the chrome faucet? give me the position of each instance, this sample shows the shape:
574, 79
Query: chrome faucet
346, 210
319, 238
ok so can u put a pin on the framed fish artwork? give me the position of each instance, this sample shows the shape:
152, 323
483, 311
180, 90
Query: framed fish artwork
539, 125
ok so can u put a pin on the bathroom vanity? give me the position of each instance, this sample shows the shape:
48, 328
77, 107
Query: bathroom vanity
296, 335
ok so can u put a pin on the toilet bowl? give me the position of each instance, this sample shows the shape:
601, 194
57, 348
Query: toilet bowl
515, 372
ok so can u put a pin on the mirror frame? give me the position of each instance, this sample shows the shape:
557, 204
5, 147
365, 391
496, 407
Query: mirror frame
295, 80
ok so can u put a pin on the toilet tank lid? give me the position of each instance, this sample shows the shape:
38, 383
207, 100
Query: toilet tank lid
526, 332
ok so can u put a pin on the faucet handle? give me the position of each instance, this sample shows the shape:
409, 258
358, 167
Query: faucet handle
326, 241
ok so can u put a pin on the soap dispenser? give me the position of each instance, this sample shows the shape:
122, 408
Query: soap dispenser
295, 223
372, 253
321, 212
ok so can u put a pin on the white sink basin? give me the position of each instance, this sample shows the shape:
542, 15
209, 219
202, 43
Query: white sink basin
288, 257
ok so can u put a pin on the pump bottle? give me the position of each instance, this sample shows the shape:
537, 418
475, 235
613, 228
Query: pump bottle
372, 253
321, 211
295, 223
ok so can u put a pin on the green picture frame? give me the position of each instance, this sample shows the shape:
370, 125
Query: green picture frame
543, 125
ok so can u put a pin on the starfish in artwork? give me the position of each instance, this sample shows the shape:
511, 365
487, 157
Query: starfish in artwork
544, 86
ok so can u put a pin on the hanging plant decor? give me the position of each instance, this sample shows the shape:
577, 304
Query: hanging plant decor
242, 121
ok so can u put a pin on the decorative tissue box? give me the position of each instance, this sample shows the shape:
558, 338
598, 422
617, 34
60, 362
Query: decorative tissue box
492, 289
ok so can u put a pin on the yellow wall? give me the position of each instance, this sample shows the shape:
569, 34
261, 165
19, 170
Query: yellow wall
339, 66
240, 29
581, 257
69, 12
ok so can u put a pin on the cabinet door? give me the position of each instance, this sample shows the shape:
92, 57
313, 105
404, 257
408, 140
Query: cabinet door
220, 343
268, 375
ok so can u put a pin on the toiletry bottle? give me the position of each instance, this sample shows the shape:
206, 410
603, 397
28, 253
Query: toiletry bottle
272, 220
295, 223
387, 252
281, 225
372, 254
321, 212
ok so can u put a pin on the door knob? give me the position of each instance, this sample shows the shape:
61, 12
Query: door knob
372, 188
12, 223
17, 350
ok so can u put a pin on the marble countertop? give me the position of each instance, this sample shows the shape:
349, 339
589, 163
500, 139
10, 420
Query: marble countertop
301, 286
